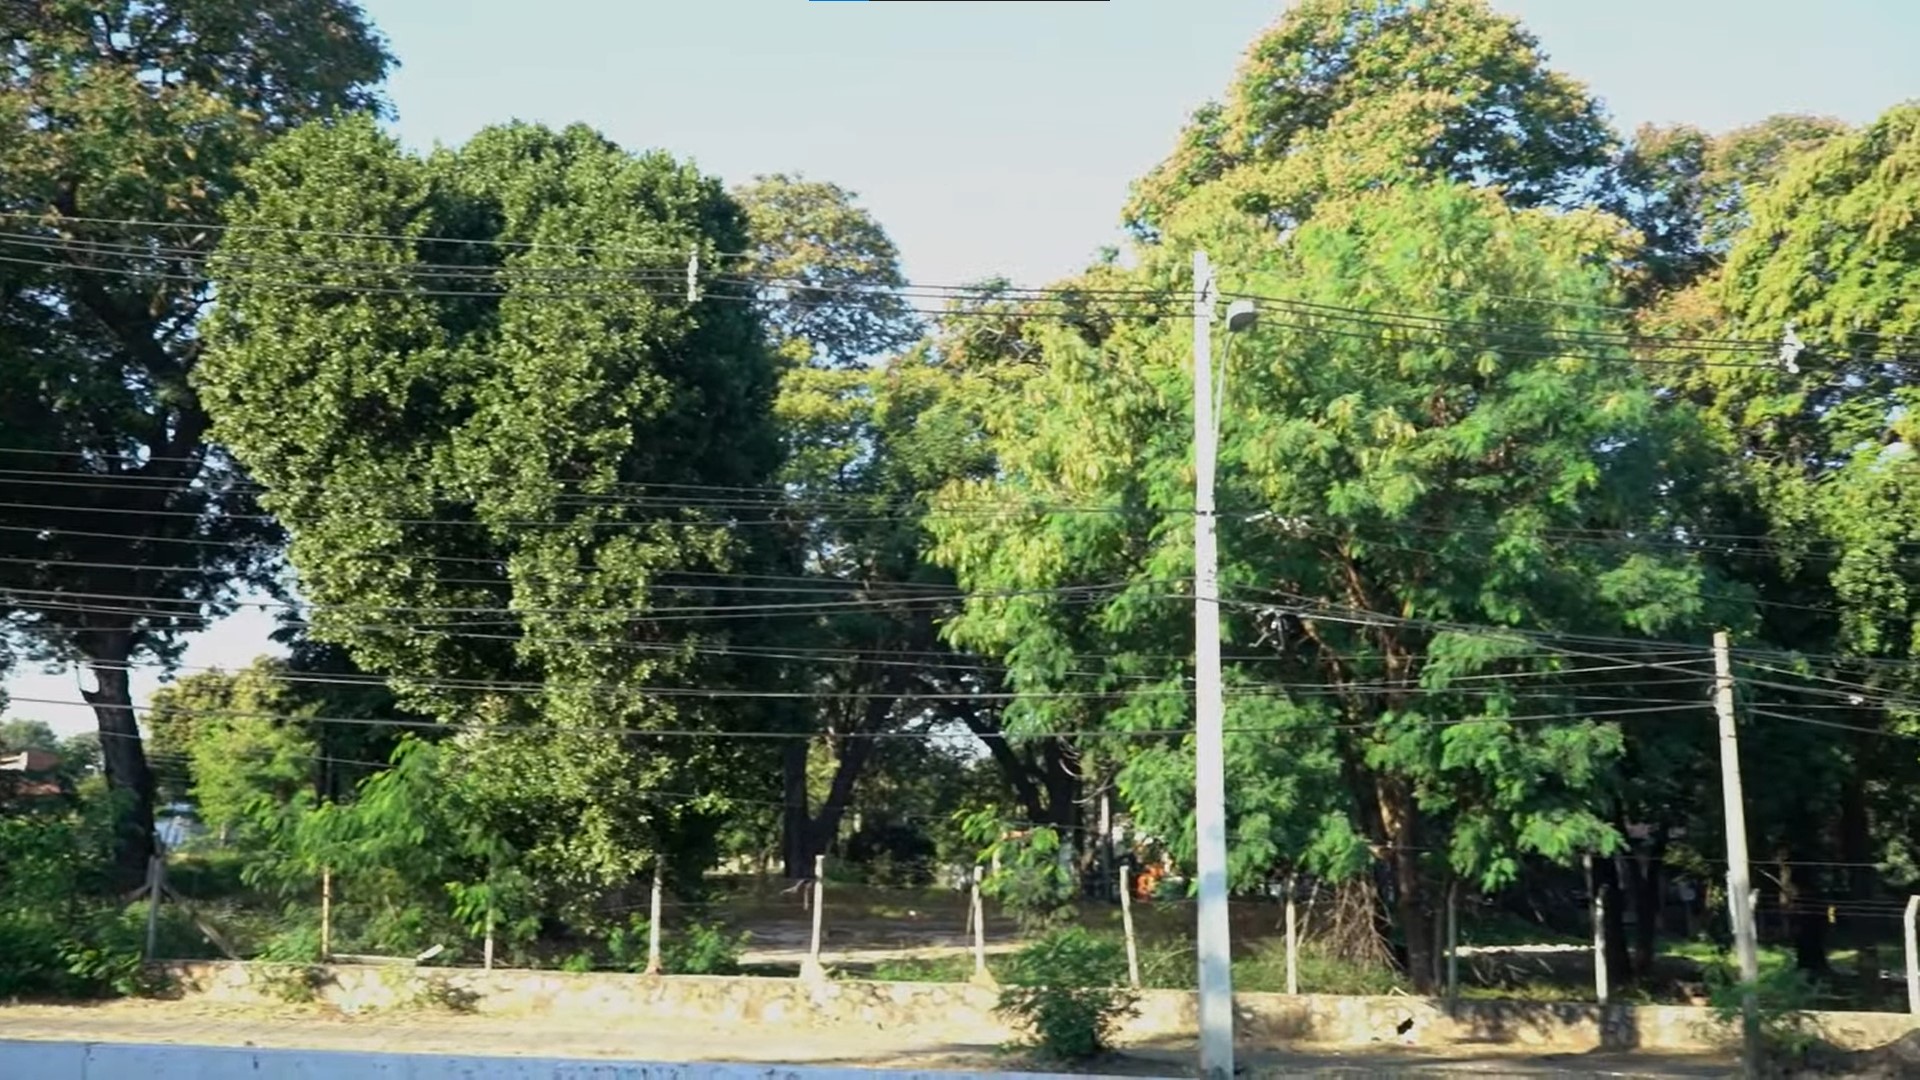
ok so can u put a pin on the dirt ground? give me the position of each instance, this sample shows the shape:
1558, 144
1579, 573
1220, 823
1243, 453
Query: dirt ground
297, 1027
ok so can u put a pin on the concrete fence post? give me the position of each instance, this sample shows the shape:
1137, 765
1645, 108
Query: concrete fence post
1913, 954
653, 922
1126, 925
1293, 940
812, 968
326, 913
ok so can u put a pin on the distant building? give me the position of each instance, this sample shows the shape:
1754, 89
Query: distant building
29, 773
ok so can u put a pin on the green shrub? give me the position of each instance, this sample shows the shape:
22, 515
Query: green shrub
694, 949
1788, 1030
703, 949
1068, 990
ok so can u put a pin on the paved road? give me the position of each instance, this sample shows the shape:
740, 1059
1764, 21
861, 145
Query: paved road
640, 1039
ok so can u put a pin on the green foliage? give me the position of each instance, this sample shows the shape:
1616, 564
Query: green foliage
1784, 999
1434, 480
1068, 989
1034, 883
1423, 88
62, 931
833, 272
143, 110
694, 948
531, 422
704, 949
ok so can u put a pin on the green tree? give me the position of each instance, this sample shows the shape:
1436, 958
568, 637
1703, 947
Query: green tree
1827, 488
509, 467
235, 745
1413, 491
866, 446
23, 733
826, 273
1457, 90
134, 110
1688, 191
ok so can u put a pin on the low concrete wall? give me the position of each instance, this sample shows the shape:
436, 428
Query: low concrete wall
965, 1013
116, 1061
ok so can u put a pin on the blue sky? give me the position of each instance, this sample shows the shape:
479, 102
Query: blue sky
999, 137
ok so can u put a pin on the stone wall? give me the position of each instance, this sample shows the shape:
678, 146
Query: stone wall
965, 1012
117, 1061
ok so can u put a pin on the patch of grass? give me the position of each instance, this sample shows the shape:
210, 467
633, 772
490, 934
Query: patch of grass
933, 969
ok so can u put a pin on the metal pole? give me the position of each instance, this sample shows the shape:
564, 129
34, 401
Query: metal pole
1126, 924
653, 922
1210, 809
1739, 889
1913, 956
155, 867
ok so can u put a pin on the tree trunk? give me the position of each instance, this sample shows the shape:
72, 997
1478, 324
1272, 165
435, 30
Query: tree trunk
795, 859
1013, 769
121, 753
1646, 882
1807, 915
1400, 817
1606, 879
826, 827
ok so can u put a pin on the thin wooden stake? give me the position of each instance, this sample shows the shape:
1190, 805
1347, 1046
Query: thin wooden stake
1126, 923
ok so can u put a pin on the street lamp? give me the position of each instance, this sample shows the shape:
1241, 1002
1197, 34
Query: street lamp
1210, 785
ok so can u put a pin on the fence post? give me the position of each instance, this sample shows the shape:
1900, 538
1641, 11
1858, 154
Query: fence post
1600, 980
653, 922
1913, 955
1126, 924
1293, 940
326, 913
154, 875
978, 915
812, 968
486, 948
1453, 946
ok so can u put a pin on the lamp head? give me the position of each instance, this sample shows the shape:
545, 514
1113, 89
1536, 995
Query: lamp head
1241, 316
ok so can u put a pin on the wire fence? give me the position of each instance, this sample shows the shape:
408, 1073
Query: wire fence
1547, 939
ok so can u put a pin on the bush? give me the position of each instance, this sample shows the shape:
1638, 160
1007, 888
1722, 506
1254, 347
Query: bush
1068, 989
703, 949
1788, 1031
693, 949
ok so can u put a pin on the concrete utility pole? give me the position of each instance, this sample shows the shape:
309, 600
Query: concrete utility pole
1210, 786
1739, 887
